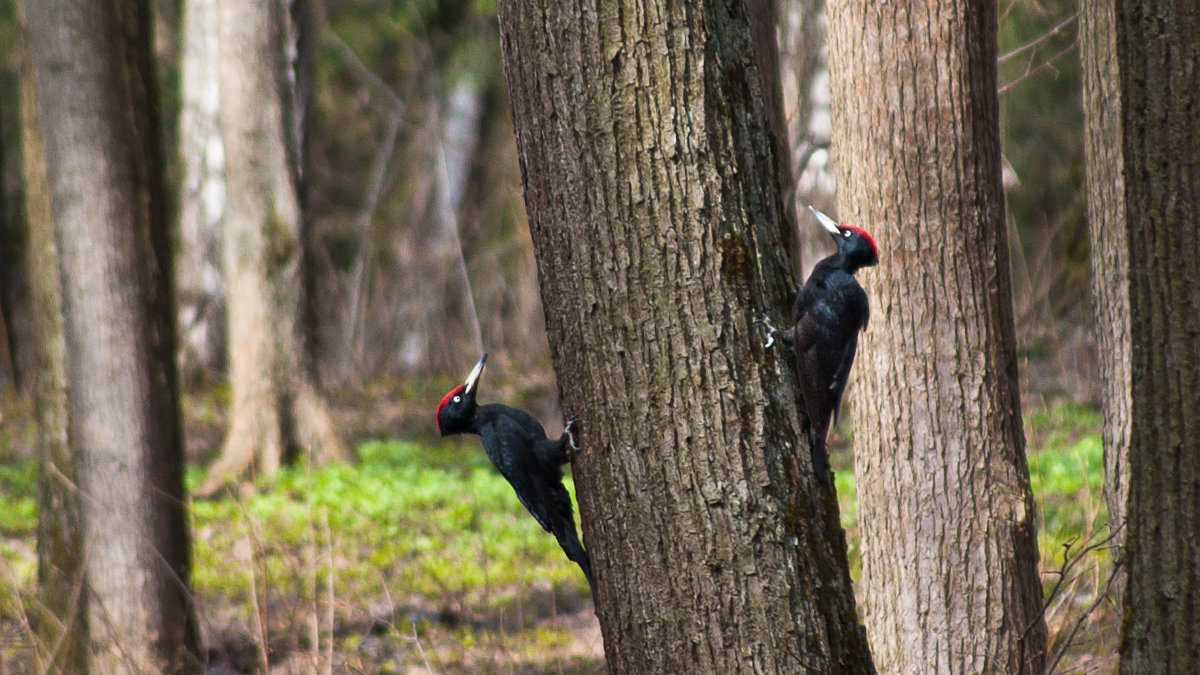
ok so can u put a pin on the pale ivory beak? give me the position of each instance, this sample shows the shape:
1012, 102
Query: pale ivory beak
469, 385
826, 222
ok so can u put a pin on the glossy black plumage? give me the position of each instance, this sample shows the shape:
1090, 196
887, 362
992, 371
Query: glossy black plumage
517, 445
830, 310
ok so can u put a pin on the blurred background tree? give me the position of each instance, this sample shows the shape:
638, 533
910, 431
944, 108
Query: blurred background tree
264, 63
97, 109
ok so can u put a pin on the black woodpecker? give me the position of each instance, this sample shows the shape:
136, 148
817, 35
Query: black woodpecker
830, 310
517, 444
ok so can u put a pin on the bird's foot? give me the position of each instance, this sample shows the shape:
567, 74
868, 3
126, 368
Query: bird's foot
571, 436
772, 331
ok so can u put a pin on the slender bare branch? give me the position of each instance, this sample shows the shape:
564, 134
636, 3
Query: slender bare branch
362, 71
1030, 72
366, 216
1061, 648
1045, 36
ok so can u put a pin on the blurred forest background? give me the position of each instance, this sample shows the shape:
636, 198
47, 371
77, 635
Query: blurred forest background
418, 246
418, 258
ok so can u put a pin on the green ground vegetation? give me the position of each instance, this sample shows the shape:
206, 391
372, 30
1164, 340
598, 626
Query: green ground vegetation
420, 554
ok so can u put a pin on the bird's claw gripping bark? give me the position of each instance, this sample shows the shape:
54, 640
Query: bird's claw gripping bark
571, 436
772, 331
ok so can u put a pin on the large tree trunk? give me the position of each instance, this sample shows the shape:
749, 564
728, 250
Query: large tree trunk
1110, 248
276, 404
949, 553
200, 287
61, 619
96, 100
654, 206
1158, 49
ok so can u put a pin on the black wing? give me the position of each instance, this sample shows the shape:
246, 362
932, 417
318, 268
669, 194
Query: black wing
805, 298
838, 385
815, 324
532, 464
856, 314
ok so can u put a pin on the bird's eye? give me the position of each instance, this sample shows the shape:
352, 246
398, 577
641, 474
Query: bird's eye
846, 233
457, 399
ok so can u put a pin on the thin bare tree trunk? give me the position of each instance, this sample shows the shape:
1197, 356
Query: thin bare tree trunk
276, 404
61, 619
805, 84
1110, 249
945, 509
653, 200
1158, 52
496, 241
17, 344
200, 286
96, 100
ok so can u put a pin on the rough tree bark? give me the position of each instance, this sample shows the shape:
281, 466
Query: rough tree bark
276, 404
96, 101
61, 618
948, 546
1158, 52
201, 291
1110, 247
650, 183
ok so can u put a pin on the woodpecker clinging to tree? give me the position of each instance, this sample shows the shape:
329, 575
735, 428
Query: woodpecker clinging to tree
830, 310
517, 444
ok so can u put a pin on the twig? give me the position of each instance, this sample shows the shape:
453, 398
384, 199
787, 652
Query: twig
36, 644
1046, 36
363, 72
1061, 649
1063, 570
451, 221
365, 217
420, 650
1030, 72
329, 584
804, 155
260, 621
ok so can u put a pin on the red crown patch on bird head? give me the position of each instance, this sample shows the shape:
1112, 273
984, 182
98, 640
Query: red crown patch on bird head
445, 400
863, 233
467, 388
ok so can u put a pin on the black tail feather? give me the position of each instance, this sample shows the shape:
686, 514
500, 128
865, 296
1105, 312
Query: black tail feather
820, 459
570, 544
816, 443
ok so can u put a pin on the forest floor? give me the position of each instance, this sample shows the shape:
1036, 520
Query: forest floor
418, 558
